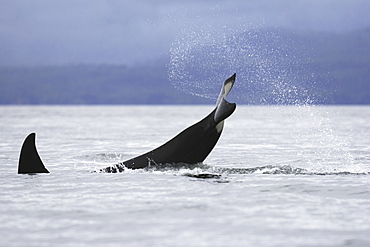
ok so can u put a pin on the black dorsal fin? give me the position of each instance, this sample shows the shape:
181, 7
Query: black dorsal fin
29, 159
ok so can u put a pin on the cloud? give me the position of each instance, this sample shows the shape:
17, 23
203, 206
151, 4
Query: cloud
113, 31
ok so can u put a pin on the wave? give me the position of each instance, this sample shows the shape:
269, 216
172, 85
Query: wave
203, 171
104, 157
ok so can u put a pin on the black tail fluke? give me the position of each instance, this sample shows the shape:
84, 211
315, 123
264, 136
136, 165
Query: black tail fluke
29, 159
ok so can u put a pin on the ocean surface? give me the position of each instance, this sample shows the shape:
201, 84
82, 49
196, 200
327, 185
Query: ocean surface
289, 176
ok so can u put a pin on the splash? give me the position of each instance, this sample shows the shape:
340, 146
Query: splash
270, 70
272, 67
324, 149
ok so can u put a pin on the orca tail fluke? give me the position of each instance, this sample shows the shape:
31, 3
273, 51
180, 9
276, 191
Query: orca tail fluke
224, 108
29, 159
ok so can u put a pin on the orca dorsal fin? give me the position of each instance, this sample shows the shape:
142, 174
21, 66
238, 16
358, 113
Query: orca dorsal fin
29, 159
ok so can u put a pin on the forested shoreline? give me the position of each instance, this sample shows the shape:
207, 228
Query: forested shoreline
343, 59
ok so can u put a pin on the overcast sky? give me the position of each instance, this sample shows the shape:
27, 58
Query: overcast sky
42, 32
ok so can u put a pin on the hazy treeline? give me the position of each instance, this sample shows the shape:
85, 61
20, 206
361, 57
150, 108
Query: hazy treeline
341, 59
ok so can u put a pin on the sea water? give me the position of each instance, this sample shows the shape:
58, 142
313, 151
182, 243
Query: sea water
289, 176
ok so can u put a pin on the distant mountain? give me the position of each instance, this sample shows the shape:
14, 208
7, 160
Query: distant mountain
332, 67
345, 59
90, 84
